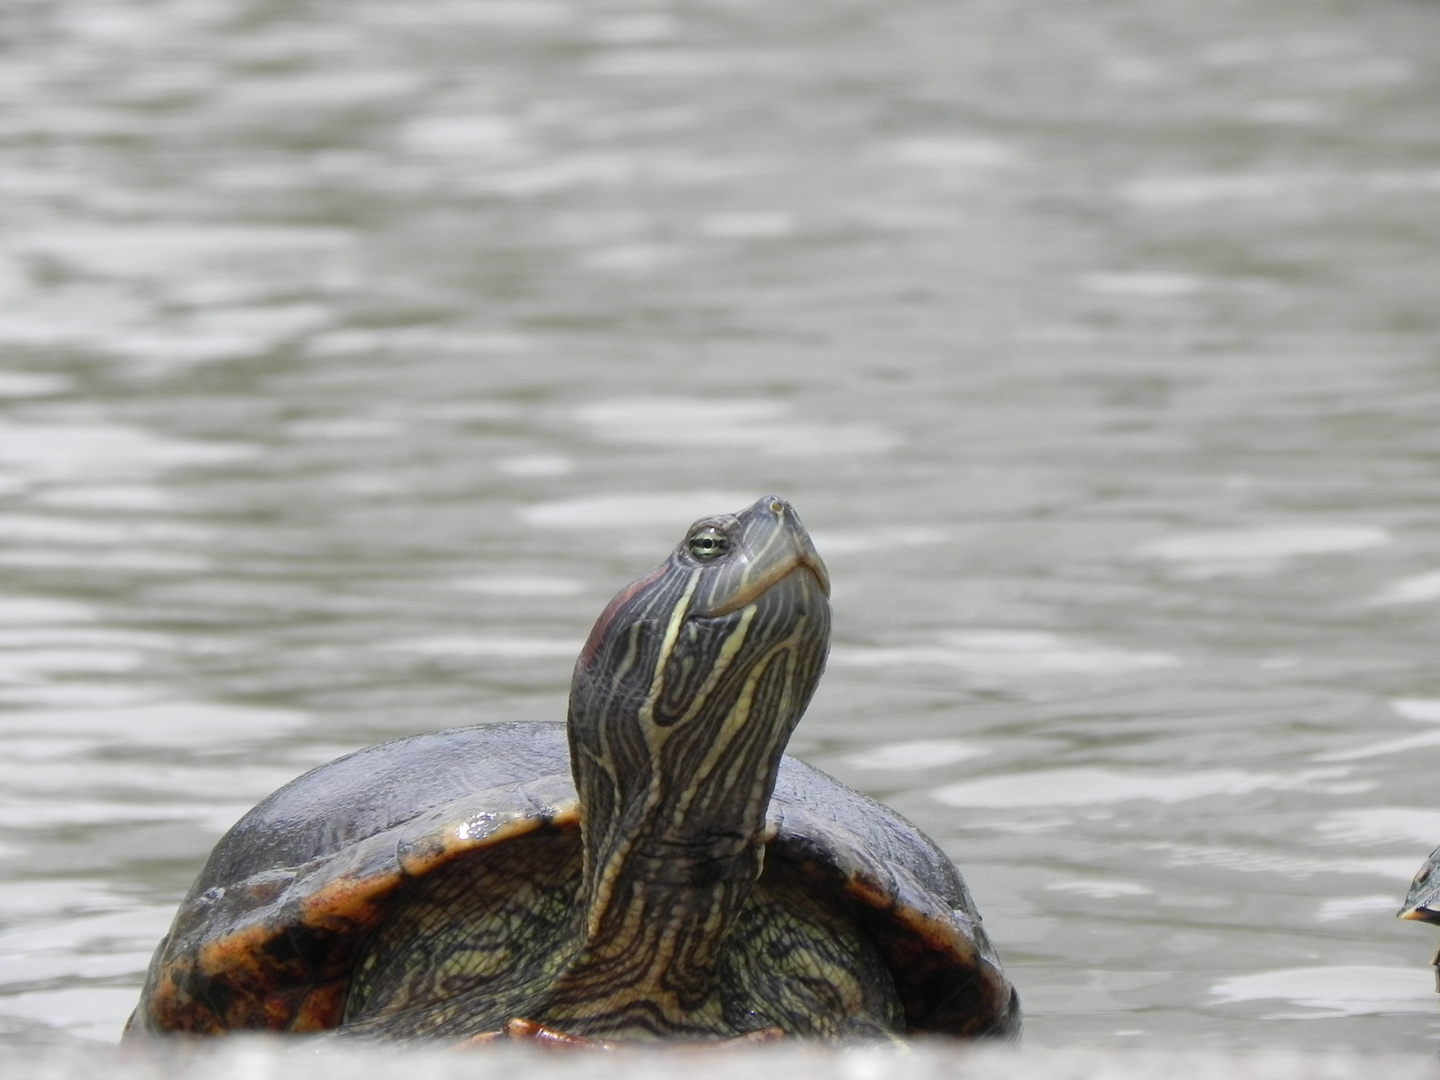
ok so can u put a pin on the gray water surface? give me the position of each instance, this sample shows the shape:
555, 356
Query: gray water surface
352, 354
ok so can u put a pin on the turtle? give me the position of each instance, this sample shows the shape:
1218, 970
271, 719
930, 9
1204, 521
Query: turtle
653, 868
1422, 902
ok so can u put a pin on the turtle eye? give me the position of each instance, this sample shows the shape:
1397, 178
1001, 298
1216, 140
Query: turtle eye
708, 544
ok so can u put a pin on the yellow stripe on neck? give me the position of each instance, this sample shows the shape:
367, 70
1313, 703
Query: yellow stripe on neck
655, 737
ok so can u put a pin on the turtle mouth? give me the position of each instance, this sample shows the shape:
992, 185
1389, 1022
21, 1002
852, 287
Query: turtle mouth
762, 548
1420, 913
818, 571
804, 564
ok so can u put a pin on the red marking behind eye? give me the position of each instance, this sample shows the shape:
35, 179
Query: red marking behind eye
602, 624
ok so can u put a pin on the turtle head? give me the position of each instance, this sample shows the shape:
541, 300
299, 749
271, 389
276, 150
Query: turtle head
1422, 902
687, 691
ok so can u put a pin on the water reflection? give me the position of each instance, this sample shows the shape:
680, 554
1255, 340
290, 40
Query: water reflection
1335, 991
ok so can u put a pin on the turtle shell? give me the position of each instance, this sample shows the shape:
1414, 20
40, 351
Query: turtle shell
269, 934
1422, 902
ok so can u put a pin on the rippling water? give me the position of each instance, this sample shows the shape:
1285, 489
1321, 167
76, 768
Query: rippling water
355, 353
